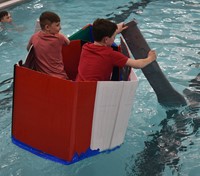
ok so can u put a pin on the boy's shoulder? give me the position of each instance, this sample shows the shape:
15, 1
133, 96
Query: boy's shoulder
60, 35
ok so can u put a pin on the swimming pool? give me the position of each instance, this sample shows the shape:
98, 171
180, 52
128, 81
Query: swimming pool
158, 141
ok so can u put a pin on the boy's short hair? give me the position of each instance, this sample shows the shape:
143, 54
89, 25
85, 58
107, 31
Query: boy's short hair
3, 14
47, 18
103, 28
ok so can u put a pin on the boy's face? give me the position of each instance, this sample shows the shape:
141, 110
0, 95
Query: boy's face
7, 19
53, 28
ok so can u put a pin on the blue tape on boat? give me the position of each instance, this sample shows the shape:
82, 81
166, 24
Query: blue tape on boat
76, 157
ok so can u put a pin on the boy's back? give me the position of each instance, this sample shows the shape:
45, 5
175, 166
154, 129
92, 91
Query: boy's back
48, 49
48, 44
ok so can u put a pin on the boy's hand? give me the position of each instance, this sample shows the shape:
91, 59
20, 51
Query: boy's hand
120, 27
152, 55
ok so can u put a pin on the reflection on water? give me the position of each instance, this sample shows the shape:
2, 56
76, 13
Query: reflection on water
10, 40
193, 92
177, 128
6, 92
5, 39
126, 10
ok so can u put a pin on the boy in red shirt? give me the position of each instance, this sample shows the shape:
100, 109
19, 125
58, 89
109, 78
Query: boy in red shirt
48, 44
98, 59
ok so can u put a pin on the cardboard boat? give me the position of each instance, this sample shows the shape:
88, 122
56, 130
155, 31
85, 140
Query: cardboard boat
67, 121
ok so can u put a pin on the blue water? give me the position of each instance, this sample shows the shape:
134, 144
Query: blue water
158, 142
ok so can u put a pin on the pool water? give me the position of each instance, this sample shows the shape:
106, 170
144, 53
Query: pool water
159, 141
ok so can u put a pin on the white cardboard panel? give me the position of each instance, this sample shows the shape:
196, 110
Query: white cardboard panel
124, 113
113, 105
107, 101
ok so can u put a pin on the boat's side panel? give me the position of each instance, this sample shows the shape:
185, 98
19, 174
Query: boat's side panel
124, 112
48, 113
71, 56
108, 96
125, 71
84, 114
84, 34
113, 105
35, 120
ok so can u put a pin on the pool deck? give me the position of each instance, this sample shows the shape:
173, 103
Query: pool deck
5, 4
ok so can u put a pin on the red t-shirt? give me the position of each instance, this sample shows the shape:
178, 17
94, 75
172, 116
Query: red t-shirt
48, 50
97, 62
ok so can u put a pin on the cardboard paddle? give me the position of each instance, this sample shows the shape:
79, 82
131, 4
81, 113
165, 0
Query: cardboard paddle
166, 94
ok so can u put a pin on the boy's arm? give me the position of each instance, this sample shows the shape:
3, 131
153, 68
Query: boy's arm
67, 41
141, 63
